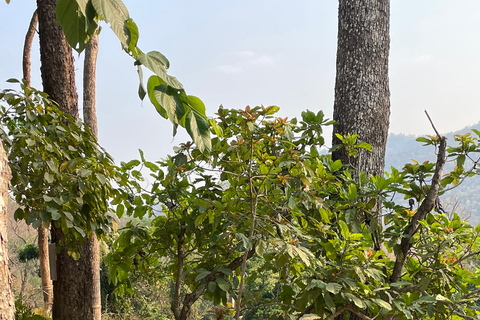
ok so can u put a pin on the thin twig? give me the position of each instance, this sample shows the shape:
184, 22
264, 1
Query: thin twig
431, 122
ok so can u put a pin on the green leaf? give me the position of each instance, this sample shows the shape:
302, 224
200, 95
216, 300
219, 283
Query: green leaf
223, 284
202, 275
19, 214
344, 229
120, 210
324, 215
49, 177
101, 178
55, 215
115, 13
73, 22
133, 36
197, 125
334, 287
247, 244
165, 99
310, 316
141, 87
82, 5
356, 300
383, 304
156, 62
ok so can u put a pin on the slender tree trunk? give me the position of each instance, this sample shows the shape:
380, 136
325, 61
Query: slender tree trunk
74, 286
47, 287
362, 96
89, 81
7, 304
90, 119
27, 48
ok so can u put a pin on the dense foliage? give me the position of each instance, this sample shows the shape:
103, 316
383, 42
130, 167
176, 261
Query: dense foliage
58, 168
267, 192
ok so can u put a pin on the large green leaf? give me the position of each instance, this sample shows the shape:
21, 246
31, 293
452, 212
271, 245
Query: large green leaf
73, 22
133, 36
167, 98
156, 62
114, 12
197, 124
82, 4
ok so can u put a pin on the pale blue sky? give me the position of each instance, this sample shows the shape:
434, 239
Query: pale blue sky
239, 53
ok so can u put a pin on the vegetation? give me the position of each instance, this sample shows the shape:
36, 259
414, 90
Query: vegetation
253, 223
265, 192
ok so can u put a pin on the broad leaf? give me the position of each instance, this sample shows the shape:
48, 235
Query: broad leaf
156, 62
73, 22
82, 5
114, 12
197, 124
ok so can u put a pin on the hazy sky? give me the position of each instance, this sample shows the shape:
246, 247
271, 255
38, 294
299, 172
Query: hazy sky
270, 52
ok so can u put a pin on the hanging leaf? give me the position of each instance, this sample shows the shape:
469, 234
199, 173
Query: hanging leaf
158, 64
73, 22
116, 13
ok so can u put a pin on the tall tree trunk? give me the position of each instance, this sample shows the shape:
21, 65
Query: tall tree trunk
362, 96
7, 304
74, 286
89, 80
47, 287
90, 119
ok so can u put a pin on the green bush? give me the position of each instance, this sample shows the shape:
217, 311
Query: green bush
23, 312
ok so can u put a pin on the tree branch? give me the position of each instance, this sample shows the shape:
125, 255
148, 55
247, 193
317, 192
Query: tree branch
426, 206
192, 297
27, 47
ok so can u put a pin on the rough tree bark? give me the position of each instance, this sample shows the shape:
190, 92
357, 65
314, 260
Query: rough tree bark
74, 286
362, 96
90, 119
47, 286
7, 303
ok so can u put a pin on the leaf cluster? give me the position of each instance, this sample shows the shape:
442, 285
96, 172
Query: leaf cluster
79, 20
265, 191
60, 174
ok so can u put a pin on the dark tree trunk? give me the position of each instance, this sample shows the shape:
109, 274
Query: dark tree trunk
90, 119
74, 288
58, 73
7, 305
362, 96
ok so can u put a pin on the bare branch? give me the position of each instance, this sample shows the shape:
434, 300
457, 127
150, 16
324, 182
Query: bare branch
427, 205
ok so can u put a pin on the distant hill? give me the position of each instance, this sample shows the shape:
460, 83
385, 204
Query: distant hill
402, 148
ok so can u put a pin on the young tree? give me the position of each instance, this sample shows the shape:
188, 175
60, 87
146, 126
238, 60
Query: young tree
90, 119
362, 97
47, 286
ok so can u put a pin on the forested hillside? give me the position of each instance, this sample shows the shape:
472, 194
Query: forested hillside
402, 149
